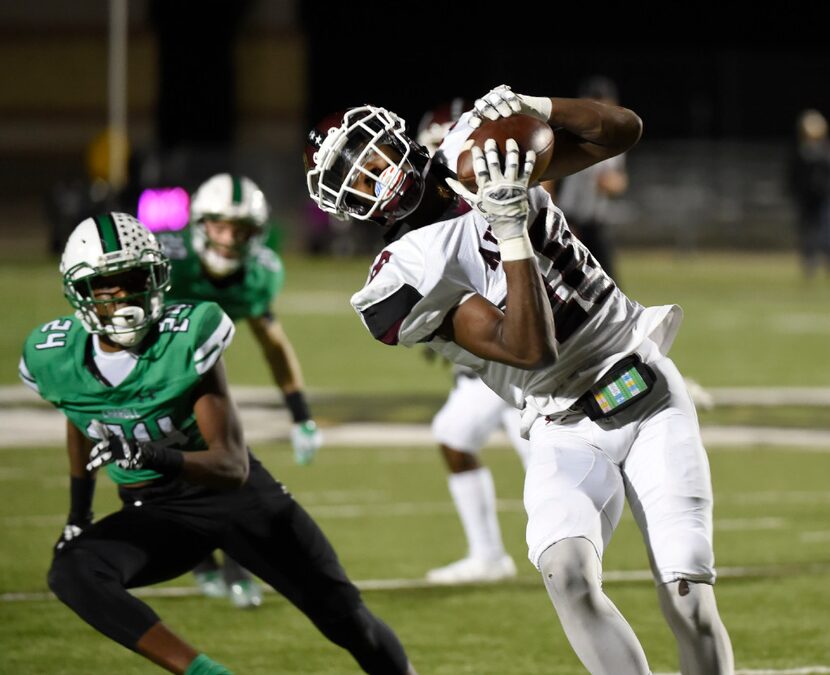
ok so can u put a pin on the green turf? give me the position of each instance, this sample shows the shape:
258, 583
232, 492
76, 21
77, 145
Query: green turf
389, 516
750, 320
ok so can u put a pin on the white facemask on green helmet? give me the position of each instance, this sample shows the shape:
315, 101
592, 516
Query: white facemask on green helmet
115, 250
228, 198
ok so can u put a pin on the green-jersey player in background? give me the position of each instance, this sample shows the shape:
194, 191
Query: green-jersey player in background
221, 257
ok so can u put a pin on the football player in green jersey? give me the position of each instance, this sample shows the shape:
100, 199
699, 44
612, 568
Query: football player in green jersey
142, 385
221, 257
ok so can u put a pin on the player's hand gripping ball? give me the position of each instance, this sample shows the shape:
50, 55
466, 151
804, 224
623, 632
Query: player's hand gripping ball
528, 132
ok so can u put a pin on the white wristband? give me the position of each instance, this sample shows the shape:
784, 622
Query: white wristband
541, 105
516, 248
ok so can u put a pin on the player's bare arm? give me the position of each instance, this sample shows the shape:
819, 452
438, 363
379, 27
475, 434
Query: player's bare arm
279, 352
224, 464
81, 486
521, 336
586, 131
78, 447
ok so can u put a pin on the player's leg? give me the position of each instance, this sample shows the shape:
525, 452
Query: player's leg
209, 577
243, 589
574, 496
278, 541
472, 412
130, 548
692, 614
601, 637
669, 491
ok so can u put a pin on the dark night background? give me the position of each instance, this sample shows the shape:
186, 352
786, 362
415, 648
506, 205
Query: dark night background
694, 71
236, 85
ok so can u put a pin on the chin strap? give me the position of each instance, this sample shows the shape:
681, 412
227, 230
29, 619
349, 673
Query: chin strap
218, 265
124, 321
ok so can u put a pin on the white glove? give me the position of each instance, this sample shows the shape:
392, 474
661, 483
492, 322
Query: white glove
503, 102
501, 197
70, 531
114, 449
125, 454
306, 439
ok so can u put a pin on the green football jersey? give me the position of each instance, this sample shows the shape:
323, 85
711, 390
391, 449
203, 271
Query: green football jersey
155, 401
245, 294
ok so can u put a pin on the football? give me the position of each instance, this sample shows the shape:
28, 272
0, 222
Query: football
530, 133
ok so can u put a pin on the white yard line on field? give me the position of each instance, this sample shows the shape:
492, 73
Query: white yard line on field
806, 670
18, 394
44, 427
815, 537
609, 576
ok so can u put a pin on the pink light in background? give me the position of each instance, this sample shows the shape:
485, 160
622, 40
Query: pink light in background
164, 209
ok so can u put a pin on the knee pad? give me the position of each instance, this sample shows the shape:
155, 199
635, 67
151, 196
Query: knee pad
89, 587
571, 569
689, 606
69, 570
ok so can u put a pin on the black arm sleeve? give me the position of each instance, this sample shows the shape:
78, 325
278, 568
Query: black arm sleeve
81, 493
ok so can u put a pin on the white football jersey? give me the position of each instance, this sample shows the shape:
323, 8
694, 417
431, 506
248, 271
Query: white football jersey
418, 279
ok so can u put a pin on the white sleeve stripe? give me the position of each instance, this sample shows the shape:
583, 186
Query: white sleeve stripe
208, 354
26, 376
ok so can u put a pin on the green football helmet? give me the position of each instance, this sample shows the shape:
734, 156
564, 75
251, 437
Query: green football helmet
231, 198
110, 251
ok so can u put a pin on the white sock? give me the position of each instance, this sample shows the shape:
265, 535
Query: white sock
474, 495
598, 633
702, 640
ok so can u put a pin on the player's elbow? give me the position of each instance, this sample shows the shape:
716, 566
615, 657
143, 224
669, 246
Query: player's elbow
231, 470
630, 129
547, 357
542, 356
237, 478
239, 472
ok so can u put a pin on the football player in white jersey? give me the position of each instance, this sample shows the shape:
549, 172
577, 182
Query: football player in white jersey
506, 290
470, 415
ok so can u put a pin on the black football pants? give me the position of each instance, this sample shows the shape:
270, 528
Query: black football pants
164, 530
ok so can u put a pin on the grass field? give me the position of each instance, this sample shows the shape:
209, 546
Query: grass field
750, 321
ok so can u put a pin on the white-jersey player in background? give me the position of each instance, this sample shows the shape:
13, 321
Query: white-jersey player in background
463, 425
506, 290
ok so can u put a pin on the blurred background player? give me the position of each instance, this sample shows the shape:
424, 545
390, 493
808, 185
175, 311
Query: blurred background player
222, 257
809, 185
585, 196
462, 426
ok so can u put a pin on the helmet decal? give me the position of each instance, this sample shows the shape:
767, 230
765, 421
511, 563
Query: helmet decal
389, 181
108, 232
